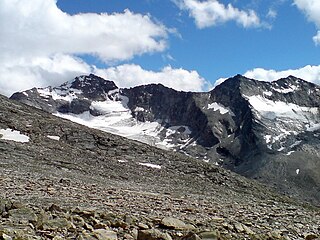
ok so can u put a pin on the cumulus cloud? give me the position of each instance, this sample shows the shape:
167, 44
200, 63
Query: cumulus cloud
40, 72
30, 27
212, 12
308, 73
311, 9
39, 42
130, 75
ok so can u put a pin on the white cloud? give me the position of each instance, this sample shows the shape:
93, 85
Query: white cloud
272, 13
316, 38
212, 12
40, 72
38, 41
308, 73
130, 75
311, 9
30, 27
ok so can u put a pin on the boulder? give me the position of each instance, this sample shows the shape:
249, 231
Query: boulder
153, 234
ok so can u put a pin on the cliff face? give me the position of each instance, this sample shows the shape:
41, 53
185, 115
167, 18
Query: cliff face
262, 130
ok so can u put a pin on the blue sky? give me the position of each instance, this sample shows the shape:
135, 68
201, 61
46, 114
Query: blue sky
226, 49
184, 44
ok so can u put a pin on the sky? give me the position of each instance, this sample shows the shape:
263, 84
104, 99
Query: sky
188, 45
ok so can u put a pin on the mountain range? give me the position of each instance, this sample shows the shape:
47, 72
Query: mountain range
268, 131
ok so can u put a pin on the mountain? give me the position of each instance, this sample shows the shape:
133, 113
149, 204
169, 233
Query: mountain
63, 180
267, 131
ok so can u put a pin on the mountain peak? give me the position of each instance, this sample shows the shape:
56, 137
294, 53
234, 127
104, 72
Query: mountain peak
92, 86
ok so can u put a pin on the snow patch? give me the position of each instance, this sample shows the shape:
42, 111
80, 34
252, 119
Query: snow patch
56, 138
268, 93
295, 144
139, 109
59, 93
290, 88
218, 107
314, 128
268, 138
278, 109
12, 135
150, 165
289, 153
122, 161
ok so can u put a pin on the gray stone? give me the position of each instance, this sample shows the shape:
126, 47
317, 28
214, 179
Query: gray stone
103, 234
23, 215
173, 223
58, 223
191, 236
213, 235
153, 234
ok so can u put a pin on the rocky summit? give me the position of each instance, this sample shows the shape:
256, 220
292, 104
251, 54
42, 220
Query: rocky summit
63, 180
267, 131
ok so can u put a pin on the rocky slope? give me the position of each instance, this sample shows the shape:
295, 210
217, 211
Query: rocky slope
262, 130
61, 180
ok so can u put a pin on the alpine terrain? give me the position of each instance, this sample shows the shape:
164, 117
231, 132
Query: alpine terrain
63, 180
267, 131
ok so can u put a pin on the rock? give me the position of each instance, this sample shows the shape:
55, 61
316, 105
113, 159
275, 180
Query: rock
311, 236
103, 234
153, 234
143, 226
129, 219
55, 208
128, 237
78, 221
4, 236
247, 230
23, 215
191, 236
213, 235
173, 223
58, 238
55, 224
239, 227
17, 205
275, 234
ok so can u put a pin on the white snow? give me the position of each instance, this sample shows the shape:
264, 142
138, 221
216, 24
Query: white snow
26, 94
314, 128
122, 161
289, 153
139, 109
295, 144
268, 138
267, 93
297, 171
117, 119
150, 165
61, 94
290, 88
274, 109
10, 134
218, 107
56, 138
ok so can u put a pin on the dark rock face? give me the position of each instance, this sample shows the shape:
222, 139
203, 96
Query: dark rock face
263, 130
71, 97
93, 87
172, 108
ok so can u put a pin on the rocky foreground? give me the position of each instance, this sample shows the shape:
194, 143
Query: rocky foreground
71, 182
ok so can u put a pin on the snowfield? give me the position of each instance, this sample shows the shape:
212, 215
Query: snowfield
12, 135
